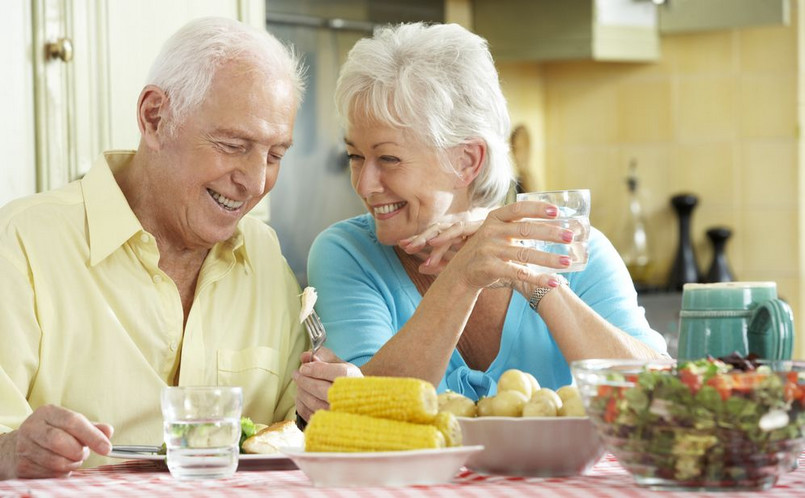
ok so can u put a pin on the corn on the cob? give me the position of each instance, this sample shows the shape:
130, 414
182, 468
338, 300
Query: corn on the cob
339, 431
448, 425
397, 398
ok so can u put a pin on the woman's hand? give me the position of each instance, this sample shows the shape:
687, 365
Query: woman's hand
489, 253
314, 378
437, 245
51, 442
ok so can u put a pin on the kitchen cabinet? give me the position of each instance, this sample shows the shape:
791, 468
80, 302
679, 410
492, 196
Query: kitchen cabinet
77, 69
678, 16
611, 30
608, 30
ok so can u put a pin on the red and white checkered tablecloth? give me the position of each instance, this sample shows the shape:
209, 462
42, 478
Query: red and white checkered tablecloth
144, 478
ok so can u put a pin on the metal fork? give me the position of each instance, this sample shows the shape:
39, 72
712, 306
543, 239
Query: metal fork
315, 329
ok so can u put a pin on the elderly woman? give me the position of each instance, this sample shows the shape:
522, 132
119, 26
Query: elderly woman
433, 282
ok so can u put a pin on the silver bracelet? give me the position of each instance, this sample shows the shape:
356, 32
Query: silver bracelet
540, 292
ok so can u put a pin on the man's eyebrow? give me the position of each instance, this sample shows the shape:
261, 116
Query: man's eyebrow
245, 135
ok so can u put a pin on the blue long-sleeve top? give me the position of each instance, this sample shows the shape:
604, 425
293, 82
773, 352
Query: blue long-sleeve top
365, 296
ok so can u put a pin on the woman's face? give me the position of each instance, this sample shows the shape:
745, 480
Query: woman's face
401, 181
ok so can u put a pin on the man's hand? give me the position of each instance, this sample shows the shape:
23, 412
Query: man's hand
314, 378
51, 442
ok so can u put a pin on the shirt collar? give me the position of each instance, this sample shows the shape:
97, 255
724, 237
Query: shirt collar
110, 220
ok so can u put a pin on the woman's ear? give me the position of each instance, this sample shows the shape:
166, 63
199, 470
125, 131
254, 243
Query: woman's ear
152, 109
470, 160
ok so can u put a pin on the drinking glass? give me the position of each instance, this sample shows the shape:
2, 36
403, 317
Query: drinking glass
574, 214
202, 430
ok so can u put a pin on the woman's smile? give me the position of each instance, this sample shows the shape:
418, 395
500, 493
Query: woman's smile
385, 211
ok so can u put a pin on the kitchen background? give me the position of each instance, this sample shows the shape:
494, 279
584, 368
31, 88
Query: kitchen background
717, 115
713, 112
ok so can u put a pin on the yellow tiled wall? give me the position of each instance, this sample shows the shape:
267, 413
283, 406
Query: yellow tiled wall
717, 116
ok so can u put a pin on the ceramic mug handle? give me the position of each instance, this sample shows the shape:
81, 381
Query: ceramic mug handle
771, 330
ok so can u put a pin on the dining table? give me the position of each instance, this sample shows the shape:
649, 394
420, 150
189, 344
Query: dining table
282, 478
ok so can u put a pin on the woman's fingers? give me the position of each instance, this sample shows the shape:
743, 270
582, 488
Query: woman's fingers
456, 234
417, 242
525, 209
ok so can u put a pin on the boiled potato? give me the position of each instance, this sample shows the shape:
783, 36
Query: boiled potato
568, 392
484, 407
534, 383
460, 406
547, 394
447, 396
572, 407
508, 403
542, 407
515, 380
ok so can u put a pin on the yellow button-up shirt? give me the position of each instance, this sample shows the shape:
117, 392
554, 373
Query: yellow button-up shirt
89, 322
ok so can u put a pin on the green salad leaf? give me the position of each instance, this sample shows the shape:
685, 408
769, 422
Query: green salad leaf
247, 430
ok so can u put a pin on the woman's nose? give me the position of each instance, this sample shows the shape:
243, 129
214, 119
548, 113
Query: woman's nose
367, 179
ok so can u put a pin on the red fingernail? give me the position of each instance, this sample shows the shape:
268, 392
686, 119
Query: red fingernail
564, 260
551, 211
567, 236
553, 283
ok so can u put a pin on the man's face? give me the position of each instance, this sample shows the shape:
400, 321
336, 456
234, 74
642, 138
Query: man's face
225, 156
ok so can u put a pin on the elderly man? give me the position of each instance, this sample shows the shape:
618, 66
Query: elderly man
146, 273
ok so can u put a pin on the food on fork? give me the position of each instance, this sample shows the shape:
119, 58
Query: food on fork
309, 297
381, 414
284, 434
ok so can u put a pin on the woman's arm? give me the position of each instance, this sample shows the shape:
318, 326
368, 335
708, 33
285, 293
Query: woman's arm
597, 315
490, 258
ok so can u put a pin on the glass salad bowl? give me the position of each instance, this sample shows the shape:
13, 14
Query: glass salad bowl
699, 425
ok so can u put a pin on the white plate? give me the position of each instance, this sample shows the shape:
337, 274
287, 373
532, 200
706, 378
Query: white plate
129, 455
388, 468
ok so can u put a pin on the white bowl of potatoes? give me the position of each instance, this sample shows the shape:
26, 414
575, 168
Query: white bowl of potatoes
526, 430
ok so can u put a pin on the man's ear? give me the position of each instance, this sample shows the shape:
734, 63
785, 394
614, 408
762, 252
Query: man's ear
470, 159
152, 108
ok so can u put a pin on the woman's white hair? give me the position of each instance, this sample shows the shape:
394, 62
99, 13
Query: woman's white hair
438, 82
188, 61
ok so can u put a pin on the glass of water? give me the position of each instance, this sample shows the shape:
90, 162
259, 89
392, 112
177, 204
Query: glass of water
574, 214
202, 430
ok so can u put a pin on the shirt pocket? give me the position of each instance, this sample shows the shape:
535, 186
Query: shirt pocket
254, 369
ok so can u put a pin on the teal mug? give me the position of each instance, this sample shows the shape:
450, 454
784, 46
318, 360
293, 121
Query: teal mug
722, 318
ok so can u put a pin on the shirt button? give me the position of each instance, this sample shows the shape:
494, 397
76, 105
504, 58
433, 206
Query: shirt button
173, 346
144, 238
157, 279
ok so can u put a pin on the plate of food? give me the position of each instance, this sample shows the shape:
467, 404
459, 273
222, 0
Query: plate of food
383, 468
263, 444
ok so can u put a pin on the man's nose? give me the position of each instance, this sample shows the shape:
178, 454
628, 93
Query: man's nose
253, 173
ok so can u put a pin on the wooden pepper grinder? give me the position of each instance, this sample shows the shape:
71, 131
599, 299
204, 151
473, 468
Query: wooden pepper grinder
719, 269
685, 269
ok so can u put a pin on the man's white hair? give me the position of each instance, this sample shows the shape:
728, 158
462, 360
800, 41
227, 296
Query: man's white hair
188, 61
